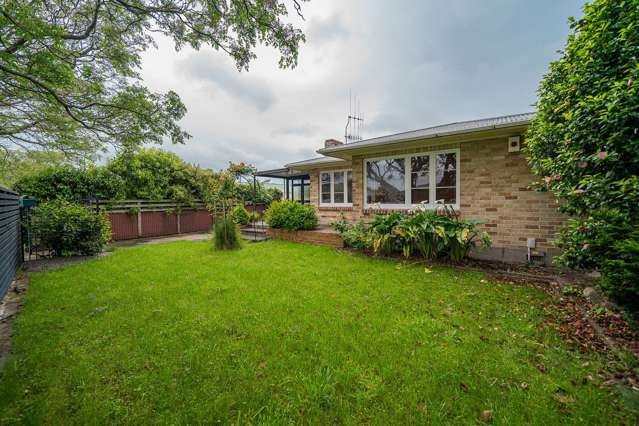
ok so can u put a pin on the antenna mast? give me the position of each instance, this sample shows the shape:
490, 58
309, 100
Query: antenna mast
355, 121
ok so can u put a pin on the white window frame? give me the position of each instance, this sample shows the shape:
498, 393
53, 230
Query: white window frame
332, 174
432, 170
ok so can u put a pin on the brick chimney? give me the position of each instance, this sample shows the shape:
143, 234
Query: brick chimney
330, 143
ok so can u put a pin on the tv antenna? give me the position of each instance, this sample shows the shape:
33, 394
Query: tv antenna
355, 121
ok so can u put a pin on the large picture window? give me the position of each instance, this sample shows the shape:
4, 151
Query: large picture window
406, 180
385, 181
336, 188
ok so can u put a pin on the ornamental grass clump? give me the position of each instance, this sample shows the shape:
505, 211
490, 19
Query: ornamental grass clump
226, 235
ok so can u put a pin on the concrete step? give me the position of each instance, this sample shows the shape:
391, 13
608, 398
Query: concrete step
251, 230
253, 236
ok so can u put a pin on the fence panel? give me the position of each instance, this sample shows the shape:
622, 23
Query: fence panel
155, 224
195, 220
10, 239
124, 226
153, 218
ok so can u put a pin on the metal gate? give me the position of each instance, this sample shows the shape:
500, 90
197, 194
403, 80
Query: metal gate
10, 238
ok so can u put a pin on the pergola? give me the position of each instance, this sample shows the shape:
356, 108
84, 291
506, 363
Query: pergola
297, 185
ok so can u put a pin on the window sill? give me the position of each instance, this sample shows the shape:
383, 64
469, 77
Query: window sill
346, 208
405, 209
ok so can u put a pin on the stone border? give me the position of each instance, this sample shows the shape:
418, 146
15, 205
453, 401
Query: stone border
9, 308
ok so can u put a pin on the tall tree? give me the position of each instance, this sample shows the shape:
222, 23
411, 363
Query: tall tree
584, 143
69, 76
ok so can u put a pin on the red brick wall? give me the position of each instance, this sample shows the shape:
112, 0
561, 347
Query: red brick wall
312, 237
493, 187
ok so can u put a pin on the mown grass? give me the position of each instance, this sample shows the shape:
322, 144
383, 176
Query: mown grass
288, 333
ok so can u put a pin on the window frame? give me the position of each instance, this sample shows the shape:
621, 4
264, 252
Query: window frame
432, 180
332, 183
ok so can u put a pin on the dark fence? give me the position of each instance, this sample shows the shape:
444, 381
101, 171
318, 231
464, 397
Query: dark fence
10, 239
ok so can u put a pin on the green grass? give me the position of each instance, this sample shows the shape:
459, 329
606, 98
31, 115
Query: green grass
288, 333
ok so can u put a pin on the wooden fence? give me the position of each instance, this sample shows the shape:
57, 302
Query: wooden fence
10, 238
148, 218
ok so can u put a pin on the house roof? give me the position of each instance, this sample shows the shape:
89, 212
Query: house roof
317, 161
331, 155
456, 128
279, 173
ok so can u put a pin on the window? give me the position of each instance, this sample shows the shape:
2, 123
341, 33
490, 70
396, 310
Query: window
336, 187
385, 181
326, 188
446, 178
298, 189
420, 179
400, 182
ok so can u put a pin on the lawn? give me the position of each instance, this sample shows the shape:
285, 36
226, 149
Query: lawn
289, 333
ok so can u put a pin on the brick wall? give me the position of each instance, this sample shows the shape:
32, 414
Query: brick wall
493, 187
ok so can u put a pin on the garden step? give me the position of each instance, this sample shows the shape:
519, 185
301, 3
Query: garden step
253, 230
253, 236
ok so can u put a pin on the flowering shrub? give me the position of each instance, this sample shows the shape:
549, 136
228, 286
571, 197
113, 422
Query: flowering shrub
584, 142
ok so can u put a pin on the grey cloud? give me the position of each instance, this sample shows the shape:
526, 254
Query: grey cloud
413, 63
225, 77
299, 130
325, 30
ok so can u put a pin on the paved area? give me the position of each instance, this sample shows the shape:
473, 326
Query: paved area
157, 240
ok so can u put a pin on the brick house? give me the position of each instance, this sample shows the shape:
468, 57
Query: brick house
474, 166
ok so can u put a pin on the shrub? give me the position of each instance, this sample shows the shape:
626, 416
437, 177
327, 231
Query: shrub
240, 215
72, 184
291, 215
226, 235
254, 217
356, 236
69, 229
341, 225
619, 274
584, 144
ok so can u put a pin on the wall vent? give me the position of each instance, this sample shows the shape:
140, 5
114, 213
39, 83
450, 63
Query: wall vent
514, 144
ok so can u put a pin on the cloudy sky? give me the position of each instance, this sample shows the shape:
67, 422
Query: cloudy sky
411, 63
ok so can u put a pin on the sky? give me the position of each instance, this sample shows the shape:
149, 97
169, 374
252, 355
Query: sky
411, 63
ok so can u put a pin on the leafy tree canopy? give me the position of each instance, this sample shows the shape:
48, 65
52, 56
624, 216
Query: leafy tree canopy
584, 141
16, 164
154, 174
67, 182
69, 70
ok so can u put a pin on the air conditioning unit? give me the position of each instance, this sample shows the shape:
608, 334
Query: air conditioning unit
514, 144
